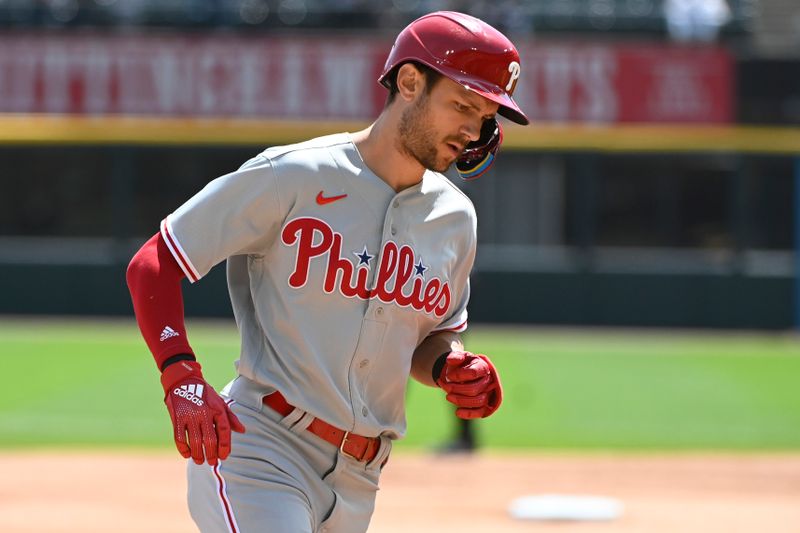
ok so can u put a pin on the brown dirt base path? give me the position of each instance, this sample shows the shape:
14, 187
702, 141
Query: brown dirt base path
145, 492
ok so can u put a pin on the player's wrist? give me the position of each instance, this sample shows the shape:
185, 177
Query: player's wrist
179, 372
171, 360
438, 366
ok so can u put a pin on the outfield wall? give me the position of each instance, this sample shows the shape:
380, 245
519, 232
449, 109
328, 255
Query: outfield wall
550, 252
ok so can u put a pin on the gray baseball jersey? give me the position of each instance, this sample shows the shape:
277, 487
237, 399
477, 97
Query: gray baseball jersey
334, 277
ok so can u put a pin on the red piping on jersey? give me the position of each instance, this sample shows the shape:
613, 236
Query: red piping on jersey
459, 328
184, 263
226, 505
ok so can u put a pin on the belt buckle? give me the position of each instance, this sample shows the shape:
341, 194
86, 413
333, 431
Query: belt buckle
341, 448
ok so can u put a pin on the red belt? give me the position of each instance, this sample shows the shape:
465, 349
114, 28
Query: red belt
360, 448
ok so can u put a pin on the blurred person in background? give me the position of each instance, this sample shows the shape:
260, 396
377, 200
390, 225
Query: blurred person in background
463, 440
696, 20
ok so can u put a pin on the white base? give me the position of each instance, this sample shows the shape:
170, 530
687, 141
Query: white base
565, 507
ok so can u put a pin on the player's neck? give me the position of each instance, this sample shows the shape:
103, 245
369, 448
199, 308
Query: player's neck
377, 145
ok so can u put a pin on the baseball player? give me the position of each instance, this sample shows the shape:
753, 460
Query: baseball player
348, 259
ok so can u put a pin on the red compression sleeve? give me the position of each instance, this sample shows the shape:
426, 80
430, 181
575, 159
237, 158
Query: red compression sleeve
154, 281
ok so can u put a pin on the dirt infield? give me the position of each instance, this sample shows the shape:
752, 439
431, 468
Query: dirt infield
144, 492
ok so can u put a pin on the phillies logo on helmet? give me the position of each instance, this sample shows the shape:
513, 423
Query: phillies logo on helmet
315, 238
514, 69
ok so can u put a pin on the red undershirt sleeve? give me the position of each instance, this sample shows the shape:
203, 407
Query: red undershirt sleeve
154, 281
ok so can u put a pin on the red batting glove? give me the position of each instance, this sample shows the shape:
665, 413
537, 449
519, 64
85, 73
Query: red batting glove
471, 383
201, 418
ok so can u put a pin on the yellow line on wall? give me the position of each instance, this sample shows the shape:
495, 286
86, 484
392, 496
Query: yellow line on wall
131, 130
656, 138
63, 129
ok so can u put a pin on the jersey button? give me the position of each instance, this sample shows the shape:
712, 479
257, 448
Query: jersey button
396, 204
393, 230
364, 411
379, 311
363, 363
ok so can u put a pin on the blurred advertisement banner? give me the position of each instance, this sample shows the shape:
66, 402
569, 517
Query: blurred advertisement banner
626, 83
335, 78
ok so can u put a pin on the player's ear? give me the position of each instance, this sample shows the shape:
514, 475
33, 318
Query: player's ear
410, 81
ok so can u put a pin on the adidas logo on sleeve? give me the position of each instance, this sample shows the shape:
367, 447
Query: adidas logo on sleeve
167, 333
192, 392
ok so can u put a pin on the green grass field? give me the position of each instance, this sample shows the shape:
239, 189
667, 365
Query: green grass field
92, 383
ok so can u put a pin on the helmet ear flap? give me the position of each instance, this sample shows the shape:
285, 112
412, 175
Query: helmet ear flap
479, 155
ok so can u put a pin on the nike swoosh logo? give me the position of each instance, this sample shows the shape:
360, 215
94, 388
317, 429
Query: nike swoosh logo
322, 200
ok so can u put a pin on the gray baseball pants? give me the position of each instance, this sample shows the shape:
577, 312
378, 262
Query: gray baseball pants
280, 477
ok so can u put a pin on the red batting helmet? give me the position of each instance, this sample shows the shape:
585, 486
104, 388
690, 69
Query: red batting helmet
466, 50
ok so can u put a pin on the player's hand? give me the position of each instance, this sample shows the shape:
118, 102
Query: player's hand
471, 383
201, 418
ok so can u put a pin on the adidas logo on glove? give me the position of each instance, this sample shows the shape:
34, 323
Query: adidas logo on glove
193, 393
